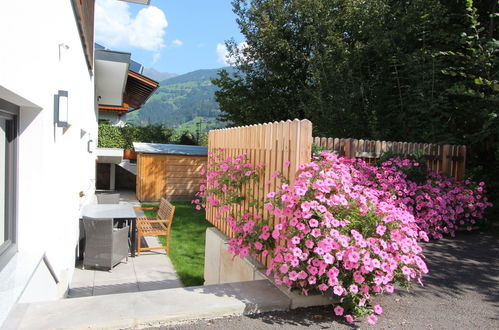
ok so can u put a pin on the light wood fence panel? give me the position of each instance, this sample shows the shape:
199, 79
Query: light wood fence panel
270, 144
447, 159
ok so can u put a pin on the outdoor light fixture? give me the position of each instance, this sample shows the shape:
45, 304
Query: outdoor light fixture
61, 47
91, 146
61, 109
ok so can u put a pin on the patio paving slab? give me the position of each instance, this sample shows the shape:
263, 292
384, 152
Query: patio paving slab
149, 308
83, 278
113, 288
157, 285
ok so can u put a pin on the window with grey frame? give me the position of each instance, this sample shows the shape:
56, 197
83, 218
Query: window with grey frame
8, 177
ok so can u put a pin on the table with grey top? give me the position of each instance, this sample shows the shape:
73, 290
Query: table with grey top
117, 212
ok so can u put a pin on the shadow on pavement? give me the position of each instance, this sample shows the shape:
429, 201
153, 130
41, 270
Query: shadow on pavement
470, 261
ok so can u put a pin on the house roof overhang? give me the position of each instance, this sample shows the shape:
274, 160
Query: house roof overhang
138, 89
120, 110
111, 72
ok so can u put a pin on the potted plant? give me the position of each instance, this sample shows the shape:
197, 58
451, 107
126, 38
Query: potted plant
129, 134
129, 154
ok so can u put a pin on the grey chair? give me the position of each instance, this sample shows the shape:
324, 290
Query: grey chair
108, 198
105, 246
103, 198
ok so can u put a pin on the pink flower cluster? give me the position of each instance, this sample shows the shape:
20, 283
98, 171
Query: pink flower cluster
225, 178
440, 205
344, 226
342, 236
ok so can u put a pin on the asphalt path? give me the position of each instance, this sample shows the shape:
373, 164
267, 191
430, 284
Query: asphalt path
461, 292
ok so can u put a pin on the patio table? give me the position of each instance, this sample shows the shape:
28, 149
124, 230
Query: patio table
117, 212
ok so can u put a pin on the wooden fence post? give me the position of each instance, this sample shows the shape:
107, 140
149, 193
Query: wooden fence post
305, 142
461, 163
349, 148
446, 159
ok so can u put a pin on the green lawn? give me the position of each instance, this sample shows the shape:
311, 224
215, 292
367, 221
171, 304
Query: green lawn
187, 242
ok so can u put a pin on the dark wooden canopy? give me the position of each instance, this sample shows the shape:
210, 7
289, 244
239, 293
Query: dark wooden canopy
138, 89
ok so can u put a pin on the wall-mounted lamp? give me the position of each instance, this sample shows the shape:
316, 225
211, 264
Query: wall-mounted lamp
62, 46
61, 109
91, 146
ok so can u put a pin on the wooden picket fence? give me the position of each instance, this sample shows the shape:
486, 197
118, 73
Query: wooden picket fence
271, 144
274, 144
447, 159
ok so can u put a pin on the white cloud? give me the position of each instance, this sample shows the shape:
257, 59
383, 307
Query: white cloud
115, 26
177, 43
223, 53
155, 58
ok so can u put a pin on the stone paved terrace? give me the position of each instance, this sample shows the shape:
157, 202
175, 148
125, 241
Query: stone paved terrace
152, 270
149, 271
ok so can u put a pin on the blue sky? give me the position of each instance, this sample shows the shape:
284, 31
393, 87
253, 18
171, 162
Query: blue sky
169, 35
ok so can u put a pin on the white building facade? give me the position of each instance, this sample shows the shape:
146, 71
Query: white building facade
52, 84
48, 171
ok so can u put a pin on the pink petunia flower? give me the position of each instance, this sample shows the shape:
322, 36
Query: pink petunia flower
323, 287
338, 290
313, 223
284, 268
316, 232
372, 319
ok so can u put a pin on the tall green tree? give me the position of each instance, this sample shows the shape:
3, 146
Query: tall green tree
473, 91
419, 70
355, 68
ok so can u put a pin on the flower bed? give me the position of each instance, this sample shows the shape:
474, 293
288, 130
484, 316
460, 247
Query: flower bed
440, 205
343, 225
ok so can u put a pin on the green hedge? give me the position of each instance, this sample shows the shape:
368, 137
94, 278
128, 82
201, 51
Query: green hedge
123, 137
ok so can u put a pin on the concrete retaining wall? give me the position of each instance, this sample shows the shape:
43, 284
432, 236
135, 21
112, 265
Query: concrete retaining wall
222, 267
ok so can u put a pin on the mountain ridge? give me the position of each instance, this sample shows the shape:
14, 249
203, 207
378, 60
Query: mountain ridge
157, 75
200, 74
181, 101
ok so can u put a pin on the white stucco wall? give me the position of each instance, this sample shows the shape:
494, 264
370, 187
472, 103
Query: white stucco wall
113, 118
53, 164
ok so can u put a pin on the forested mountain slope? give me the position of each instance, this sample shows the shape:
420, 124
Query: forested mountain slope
182, 101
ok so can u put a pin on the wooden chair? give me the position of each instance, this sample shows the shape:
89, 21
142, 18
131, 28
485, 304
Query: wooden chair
160, 225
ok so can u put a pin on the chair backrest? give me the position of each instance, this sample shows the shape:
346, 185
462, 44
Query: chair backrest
108, 198
98, 228
166, 210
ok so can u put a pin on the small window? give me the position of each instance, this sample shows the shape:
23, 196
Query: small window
8, 162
